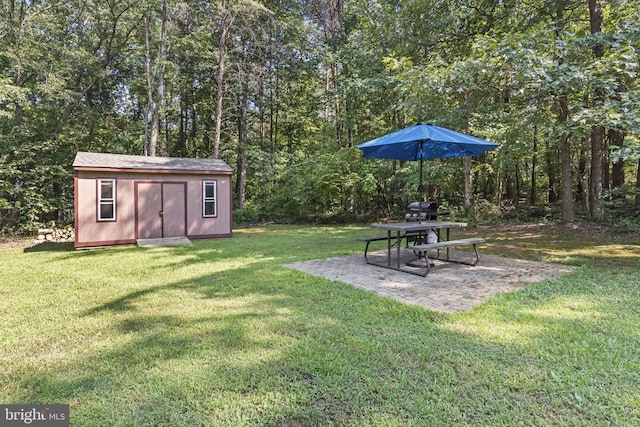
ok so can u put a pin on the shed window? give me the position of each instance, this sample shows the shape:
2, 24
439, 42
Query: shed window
106, 200
209, 193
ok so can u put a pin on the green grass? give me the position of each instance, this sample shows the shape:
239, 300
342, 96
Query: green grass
218, 333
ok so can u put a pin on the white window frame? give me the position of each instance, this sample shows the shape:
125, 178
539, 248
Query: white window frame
106, 200
206, 199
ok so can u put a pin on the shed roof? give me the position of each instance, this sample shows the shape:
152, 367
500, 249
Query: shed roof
122, 162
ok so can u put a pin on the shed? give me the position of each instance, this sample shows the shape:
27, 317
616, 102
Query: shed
122, 199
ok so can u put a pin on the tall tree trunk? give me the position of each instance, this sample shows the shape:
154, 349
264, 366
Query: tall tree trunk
329, 15
16, 20
550, 161
616, 136
151, 125
568, 207
598, 151
468, 184
155, 77
468, 163
243, 136
582, 194
533, 194
261, 116
510, 193
225, 24
638, 185
274, 111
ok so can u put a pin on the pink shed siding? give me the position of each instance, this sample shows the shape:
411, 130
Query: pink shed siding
182, 196
197, 225
88, 228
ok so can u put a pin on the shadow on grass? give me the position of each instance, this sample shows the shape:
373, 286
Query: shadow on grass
125, 302
265, 345
282, 348
570, 244
51, 247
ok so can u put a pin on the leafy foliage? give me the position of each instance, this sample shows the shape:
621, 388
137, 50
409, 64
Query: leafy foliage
307, 81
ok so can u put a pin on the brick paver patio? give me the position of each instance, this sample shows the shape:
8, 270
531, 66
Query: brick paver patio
448, 288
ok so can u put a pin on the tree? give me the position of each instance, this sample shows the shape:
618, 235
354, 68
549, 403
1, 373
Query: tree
598, 151
568, 210
155, 76
60, 58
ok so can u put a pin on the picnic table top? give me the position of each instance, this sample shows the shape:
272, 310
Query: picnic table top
417, 226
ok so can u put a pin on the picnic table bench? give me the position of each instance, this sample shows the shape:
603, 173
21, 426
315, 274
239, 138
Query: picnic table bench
410, 236
423, 249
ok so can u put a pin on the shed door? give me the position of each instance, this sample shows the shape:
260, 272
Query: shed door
160, 209
174, 219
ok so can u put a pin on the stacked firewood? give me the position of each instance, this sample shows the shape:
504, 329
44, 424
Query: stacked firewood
55, 234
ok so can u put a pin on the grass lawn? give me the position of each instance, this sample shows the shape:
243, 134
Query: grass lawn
218, 333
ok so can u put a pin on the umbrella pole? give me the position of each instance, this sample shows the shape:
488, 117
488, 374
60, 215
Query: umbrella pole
420, 188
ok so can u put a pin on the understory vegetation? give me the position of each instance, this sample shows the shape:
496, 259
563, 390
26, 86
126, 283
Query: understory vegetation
219, 333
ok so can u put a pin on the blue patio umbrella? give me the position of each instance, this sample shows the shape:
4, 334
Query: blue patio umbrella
424, 141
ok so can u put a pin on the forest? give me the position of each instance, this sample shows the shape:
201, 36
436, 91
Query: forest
284, 90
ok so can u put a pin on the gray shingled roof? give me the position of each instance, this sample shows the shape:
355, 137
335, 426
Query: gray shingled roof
121, 161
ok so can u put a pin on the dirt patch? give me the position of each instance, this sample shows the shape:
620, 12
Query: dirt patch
17, 242
579, 231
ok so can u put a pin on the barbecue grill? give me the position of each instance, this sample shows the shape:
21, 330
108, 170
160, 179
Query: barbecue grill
428, 211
